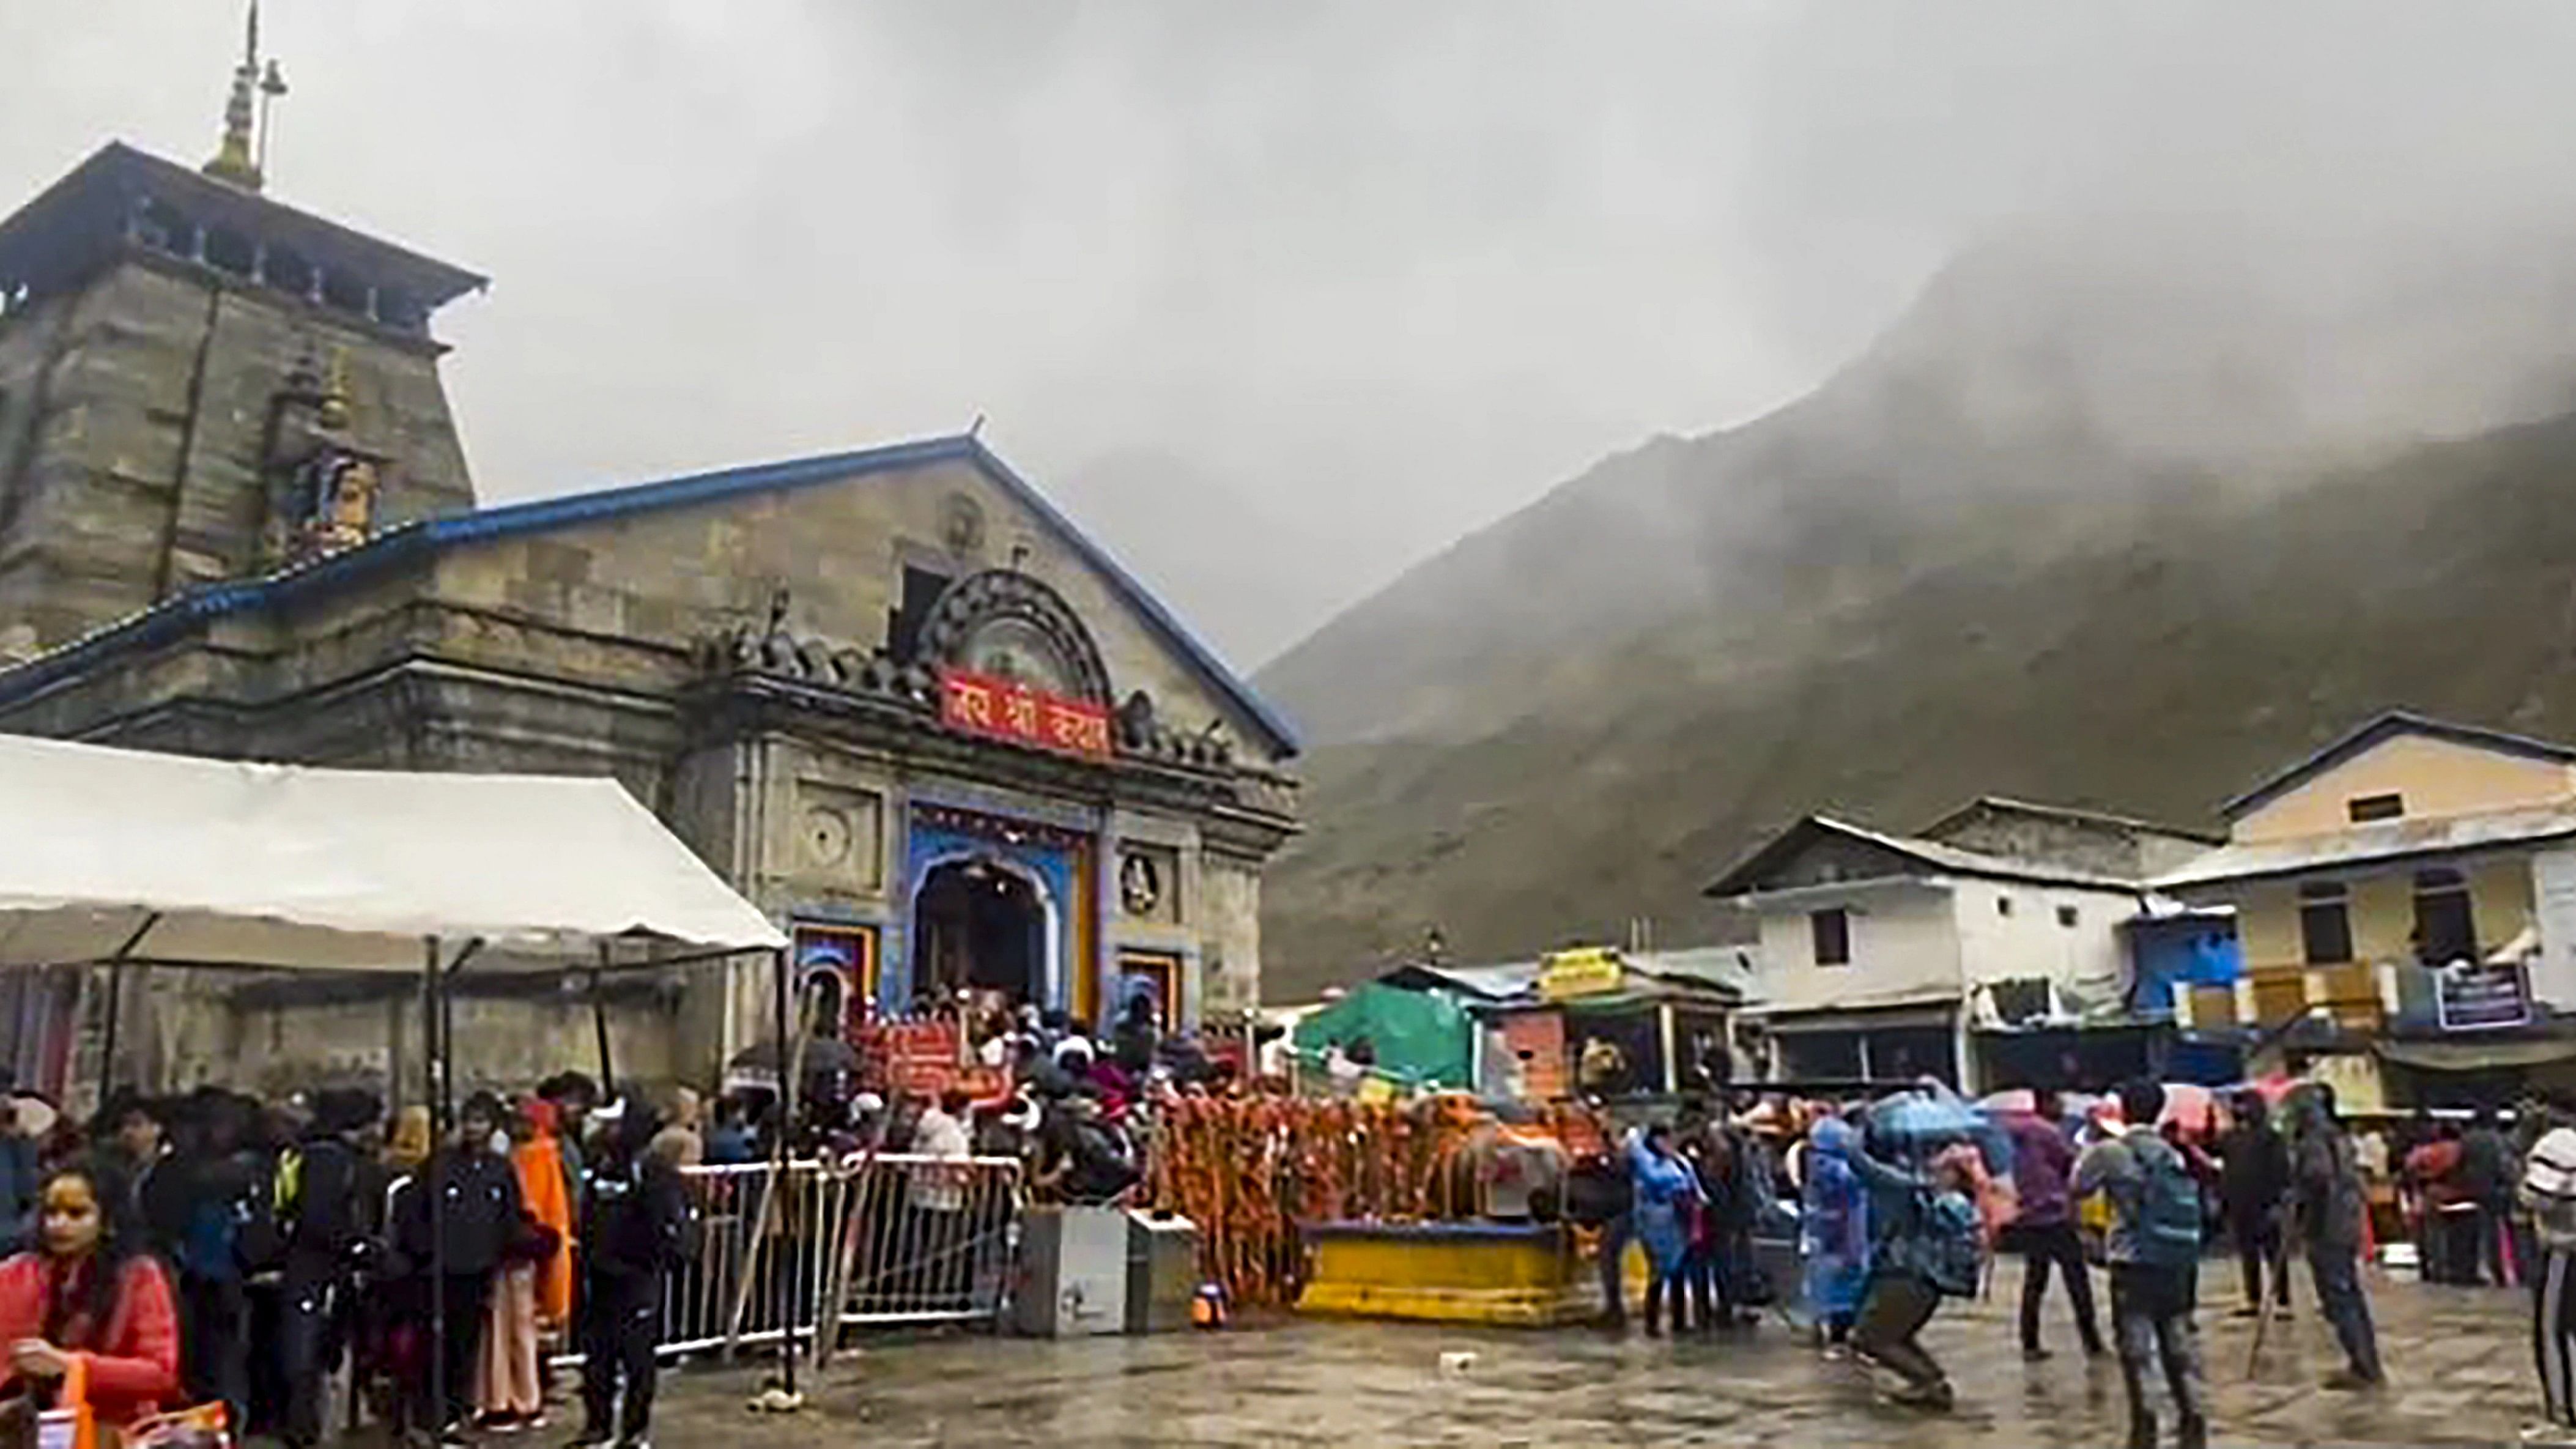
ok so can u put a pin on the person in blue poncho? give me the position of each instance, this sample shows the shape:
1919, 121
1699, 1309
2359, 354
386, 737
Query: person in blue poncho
1667, 1200
1833, 1230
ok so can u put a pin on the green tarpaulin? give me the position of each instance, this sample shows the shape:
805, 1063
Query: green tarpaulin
1418, 1036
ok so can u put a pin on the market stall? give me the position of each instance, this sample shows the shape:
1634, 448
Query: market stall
1596, 1025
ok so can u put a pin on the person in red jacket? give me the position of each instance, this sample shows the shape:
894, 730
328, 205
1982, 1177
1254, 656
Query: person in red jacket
89, 1291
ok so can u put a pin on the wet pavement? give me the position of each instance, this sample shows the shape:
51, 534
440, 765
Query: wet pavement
2458, 1360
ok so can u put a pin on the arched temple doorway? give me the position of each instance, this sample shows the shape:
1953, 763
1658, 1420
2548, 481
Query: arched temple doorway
980, 925
825, 993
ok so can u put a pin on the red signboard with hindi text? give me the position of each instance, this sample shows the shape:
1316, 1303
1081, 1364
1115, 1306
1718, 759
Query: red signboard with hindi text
1005, 709
918, 1056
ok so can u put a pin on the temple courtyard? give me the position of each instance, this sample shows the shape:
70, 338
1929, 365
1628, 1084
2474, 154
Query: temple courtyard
2459, 1362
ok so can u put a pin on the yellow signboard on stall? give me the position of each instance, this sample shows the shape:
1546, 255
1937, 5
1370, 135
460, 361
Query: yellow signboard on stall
1588, 972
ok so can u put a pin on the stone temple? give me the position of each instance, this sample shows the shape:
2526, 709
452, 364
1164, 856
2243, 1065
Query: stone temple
892, 694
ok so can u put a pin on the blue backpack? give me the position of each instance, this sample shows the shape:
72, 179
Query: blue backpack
1954, 1243
2165, 1224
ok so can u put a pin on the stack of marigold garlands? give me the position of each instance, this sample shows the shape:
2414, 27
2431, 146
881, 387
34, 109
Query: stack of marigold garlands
1249, 1170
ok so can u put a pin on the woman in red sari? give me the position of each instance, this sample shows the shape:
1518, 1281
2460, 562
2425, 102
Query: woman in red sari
88, 1292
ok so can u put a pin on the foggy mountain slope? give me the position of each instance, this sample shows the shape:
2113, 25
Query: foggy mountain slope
2058, 365
1970, 562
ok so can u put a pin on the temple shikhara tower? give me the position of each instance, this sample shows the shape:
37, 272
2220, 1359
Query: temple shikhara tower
199, 382
896, 696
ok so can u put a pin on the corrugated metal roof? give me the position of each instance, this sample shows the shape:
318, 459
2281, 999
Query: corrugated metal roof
1743, 880
1723, 967
1496, 982
2372, 844
2078, 814
1726, 966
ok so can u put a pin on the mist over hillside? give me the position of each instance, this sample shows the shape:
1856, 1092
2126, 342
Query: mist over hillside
2116, 513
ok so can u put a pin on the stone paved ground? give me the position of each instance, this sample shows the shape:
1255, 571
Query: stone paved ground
2458, 1359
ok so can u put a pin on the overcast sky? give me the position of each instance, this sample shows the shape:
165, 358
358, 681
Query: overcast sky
1274, 297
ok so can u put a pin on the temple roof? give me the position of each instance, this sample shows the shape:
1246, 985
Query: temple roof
174, 616
57, 238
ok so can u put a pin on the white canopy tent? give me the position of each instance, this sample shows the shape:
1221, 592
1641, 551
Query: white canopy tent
219, 863
116, 856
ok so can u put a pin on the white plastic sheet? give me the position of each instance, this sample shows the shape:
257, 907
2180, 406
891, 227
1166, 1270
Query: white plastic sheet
284, 866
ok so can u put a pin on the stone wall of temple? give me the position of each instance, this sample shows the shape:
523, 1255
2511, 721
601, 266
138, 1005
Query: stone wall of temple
582, 650
671, 576
134, 420
183, 1028
1230, 934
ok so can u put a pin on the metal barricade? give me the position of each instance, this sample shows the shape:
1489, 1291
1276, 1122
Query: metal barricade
884, 1240
926, 1240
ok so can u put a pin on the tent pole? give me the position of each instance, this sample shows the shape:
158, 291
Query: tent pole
599, 1022
107, 1049
116, 1004
780, 1155
434, 1048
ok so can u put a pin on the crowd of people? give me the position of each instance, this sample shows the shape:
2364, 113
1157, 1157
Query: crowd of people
1078, 1108
213, 1248
1891, 1217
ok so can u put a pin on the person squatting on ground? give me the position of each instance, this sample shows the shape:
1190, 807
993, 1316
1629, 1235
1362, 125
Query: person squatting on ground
2329, 1202
1667, 1202
2044, 1230
2549, 1196
634, 1222
2154, 1252
1930, 1244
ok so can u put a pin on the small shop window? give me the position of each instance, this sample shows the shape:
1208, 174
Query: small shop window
1832, 931
2325, 923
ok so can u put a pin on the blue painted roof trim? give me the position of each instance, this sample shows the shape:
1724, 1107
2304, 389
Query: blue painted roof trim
425, 536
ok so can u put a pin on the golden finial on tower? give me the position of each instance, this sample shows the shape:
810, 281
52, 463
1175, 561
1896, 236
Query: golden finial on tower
233, 160
333, 408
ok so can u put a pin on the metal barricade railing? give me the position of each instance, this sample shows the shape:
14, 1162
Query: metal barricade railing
884, 1239
926, 1240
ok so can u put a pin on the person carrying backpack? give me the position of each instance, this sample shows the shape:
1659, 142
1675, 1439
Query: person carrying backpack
1930, 1245
318, 1225
2487, 1173
2154, 1250
204, 1202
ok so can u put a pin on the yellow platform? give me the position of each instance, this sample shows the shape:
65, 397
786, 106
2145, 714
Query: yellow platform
1488, 1273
